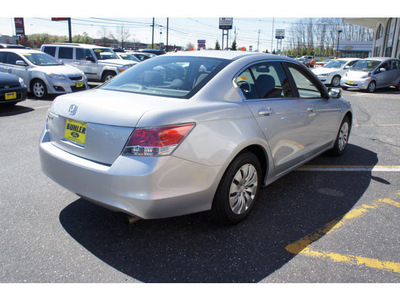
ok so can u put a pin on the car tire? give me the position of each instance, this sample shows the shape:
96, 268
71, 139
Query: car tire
238, 190
371, 87
342, 138
38, 88
335, 81
107, 75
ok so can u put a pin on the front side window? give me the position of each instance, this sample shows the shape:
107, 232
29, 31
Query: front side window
12, 58
305, 86
264, 80
174, 76
83, 54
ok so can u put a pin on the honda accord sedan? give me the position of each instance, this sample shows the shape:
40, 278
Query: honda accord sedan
189, 132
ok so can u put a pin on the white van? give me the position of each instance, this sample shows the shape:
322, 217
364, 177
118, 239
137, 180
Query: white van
98, 63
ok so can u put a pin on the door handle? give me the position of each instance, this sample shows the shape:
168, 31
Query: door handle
266, 111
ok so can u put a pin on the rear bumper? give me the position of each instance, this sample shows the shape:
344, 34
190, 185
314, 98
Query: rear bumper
146, 187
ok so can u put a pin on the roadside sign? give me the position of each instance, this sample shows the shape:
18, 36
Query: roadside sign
225, 23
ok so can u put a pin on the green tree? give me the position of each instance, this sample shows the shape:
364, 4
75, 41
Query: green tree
217, 46
234, 46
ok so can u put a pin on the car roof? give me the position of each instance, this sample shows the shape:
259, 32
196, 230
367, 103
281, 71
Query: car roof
19, 50
75, 45
230, 55
378, 58
347, 58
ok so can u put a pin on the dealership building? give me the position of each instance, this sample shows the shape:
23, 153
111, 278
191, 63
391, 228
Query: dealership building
386, 34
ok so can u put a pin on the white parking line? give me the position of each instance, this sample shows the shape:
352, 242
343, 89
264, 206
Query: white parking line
349, 168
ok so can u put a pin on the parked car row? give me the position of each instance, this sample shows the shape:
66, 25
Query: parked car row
62, 68
365, 74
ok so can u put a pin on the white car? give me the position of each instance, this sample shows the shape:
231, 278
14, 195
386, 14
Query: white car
334, 70
128, 56
42, 73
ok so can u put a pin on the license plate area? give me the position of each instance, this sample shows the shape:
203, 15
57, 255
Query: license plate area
75, 132
79, 84
10, 96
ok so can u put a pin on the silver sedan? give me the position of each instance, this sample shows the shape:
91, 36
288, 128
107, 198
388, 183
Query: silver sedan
190, 132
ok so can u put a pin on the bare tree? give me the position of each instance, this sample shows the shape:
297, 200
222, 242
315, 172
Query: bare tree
122, 35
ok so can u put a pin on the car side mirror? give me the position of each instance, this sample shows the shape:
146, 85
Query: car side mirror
21, 63
91, 59
334, 93
382, 70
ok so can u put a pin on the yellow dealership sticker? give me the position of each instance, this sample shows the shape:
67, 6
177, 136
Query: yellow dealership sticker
75, 131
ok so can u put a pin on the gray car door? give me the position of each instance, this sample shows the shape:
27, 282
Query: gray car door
282, 116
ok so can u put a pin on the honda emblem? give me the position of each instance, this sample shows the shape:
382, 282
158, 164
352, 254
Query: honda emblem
72, 109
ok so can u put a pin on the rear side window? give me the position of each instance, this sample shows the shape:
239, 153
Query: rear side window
2, 57
50, 50
65, 52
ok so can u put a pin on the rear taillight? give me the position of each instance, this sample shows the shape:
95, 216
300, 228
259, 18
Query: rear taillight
156, 141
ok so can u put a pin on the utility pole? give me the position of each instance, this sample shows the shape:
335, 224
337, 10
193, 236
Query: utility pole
166, 46
152, 36
272, 35
258, 41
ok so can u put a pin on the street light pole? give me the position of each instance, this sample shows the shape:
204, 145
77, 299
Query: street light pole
337, 48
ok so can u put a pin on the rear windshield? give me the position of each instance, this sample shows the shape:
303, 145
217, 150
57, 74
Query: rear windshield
169, 76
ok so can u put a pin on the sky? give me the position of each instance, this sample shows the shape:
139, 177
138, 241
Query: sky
255, 32
255, 21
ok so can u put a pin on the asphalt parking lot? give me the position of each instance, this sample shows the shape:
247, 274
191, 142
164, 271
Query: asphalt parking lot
333, 220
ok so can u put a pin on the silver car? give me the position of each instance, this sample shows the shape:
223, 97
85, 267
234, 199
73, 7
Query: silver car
373, 73
42, 73
189, 132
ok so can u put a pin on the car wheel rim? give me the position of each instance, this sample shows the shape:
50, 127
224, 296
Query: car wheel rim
372, 87
243, 189
343, 136
38, 89
336, 81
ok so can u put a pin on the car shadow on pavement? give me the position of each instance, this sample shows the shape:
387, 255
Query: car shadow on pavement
6, 111
193, 249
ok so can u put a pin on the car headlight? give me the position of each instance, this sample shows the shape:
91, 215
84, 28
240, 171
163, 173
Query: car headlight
21, 82
123, 68
324, 75
57, 76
